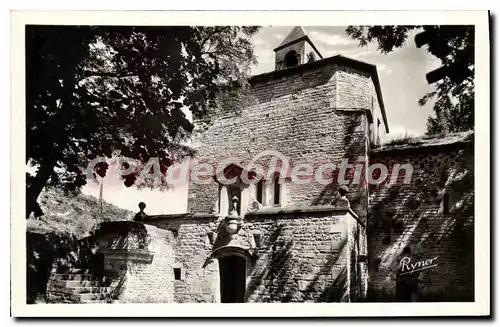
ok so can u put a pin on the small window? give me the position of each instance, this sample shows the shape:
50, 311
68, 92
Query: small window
291, 59
259, 189
277, 192
177, 273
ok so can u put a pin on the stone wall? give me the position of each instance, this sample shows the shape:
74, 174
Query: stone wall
137, 259
316, 115
191, 249
304, 257
301, 255
312, 114
414, 215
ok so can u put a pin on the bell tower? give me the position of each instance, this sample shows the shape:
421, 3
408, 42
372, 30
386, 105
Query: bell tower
296, 49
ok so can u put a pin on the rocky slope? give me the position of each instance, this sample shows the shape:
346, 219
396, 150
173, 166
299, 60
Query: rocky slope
54, 238
72, 215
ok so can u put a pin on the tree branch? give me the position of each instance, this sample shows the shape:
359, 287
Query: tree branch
212, 34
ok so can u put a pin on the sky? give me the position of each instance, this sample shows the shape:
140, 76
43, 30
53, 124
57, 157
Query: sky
402, 80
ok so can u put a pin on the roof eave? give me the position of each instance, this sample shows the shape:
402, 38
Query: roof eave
303, 38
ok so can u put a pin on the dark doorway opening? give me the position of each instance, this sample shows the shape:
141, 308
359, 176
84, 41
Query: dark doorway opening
232, 271
291, 59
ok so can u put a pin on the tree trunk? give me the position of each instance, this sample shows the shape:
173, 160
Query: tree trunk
35, 187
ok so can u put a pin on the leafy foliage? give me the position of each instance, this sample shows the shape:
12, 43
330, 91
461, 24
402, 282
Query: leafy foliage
387, 37
61, 211
452, 44
104, 91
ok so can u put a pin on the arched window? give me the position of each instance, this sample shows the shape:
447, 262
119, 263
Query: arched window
277, 190
259, 190
291, 59
277, 193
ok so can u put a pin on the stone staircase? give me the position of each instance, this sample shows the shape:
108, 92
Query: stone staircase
77, 286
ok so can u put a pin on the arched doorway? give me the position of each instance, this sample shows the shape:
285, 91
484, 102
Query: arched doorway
233, 261
232, 270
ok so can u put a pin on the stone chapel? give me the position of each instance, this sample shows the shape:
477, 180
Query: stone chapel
280, 241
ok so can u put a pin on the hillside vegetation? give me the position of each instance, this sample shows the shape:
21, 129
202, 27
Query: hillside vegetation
72, 215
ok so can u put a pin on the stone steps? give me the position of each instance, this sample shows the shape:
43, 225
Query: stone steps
93, 290
77, 286
76, 283
74, 277
93, 296
79, 271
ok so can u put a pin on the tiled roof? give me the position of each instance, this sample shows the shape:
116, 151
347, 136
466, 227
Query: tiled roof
296, 33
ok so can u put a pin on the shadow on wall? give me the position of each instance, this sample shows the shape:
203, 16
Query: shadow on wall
353, 146
121, 235
124, 235
283, 274
434, 217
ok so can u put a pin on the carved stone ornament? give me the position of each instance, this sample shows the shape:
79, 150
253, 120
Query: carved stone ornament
233, 221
